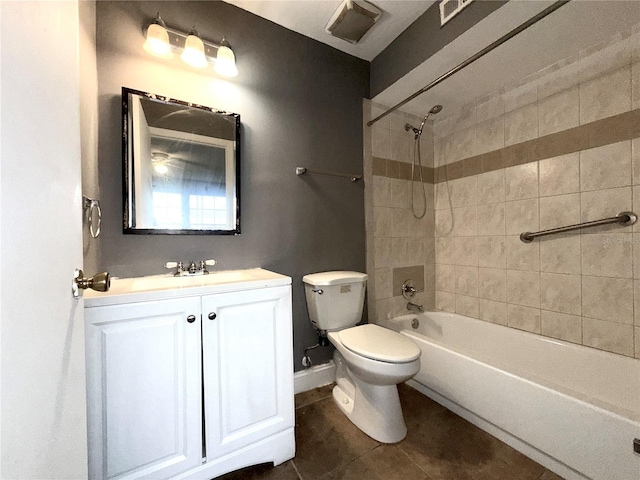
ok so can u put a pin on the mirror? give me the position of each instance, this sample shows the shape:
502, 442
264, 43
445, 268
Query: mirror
181, 167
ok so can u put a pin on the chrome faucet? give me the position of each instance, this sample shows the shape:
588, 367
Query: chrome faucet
192, 269
414, 308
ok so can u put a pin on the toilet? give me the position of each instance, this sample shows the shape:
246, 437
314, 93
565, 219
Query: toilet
370, 360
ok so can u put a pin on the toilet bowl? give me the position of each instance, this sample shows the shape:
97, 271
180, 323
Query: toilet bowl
370, 360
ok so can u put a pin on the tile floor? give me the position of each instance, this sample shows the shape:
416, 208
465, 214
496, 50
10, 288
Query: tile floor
439, 446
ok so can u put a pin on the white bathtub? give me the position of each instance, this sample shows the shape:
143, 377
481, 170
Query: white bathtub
575, 410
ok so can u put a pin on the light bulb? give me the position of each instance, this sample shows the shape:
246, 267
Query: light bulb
194, 51
226, 61
157, 42
161, 168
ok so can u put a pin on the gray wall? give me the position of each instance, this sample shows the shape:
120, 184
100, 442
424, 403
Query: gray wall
300, 104
422, 39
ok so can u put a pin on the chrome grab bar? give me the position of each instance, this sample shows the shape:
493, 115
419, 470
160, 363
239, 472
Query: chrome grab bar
623, 218
304, 170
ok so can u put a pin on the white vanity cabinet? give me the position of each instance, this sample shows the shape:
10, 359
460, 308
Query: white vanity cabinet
189, 382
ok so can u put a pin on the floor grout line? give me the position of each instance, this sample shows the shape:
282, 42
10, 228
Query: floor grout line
411, 460
296, 469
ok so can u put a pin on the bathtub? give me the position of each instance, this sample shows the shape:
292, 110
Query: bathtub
573, 409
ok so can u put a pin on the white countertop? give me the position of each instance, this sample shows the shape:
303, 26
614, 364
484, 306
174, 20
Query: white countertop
159, 287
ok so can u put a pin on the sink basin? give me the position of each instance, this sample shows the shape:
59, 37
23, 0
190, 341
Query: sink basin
157, 287
162, 282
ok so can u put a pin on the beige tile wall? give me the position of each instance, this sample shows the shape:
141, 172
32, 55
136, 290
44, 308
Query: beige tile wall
582, 287
396, 241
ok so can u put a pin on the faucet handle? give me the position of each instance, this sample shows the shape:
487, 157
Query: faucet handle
177, 265
205, 263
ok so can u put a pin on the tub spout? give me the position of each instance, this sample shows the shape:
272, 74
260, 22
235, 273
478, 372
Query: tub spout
413, 307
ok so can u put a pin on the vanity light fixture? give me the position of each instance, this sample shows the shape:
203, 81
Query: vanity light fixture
193, 53
162, 41
157, 42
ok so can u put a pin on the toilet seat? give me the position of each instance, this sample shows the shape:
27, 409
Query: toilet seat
378, 343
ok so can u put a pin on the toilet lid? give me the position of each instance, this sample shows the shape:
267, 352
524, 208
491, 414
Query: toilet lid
379, 343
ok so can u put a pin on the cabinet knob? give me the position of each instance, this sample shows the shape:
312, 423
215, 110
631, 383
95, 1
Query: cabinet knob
212, 316
191, 318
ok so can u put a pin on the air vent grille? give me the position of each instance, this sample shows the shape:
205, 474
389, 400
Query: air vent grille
450, 8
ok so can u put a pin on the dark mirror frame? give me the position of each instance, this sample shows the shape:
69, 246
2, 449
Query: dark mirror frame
126, 181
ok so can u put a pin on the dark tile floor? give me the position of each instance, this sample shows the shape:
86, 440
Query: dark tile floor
439, 446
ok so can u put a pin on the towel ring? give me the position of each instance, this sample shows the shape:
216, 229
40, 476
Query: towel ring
94, 213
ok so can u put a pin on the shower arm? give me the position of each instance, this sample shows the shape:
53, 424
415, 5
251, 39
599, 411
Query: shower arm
550, 9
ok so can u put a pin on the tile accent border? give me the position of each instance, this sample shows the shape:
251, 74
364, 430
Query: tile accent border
625, 126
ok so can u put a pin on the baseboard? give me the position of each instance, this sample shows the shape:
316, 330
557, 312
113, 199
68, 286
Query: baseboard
314, 377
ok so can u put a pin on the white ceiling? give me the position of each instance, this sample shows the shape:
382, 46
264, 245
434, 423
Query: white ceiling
309, 17
573, 27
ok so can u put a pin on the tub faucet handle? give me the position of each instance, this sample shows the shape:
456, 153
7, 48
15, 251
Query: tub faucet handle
409, 289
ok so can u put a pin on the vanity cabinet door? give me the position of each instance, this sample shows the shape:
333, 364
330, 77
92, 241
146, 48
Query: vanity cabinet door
248, 369
144, 396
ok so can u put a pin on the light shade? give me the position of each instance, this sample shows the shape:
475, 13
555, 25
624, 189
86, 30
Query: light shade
226, 61
157, 42
194, 51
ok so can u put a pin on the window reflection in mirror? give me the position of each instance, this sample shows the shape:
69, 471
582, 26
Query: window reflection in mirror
181, 166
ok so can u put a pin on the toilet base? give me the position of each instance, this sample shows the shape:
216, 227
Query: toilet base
374, 409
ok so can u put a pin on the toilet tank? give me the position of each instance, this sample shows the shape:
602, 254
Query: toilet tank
335, 299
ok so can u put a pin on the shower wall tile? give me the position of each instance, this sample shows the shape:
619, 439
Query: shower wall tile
635, 86
491, 311
559, 112
602, 204
382, 254
491, 219
383, 278
521, 181
446, 301
561, 326
606, 96
606, 167
520, 96
524, 318
464, 192
607, 255
602, 58
492, 284
492, 252
560, 254
490, 135
522, 216
523, 288
381, 191
521, 125
560, 175
445, 278
608, 299
491, 186
490, 107
465, 221
382, 222
561, 293
559, 210
522, 256
635, 160
467, 280
445, 250
613, 337
466, 251
523, 159
467, 306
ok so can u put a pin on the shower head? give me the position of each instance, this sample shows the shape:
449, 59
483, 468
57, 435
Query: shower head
418, 131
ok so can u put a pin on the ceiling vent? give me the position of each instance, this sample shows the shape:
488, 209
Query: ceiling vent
450, 8
352, 20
